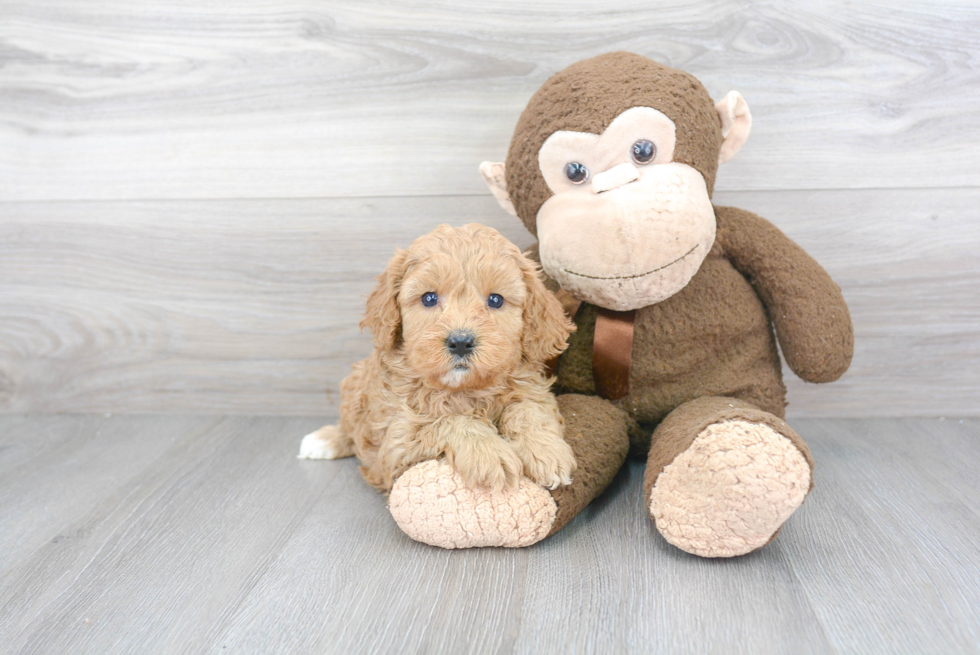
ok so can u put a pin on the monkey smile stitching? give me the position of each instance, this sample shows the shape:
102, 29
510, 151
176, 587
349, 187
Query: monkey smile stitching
630, 277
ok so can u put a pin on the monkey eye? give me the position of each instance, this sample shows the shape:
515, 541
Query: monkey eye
495, 301
576, 172
430, 298
644, 151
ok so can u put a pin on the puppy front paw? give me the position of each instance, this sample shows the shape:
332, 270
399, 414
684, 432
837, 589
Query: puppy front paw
548, 460
489, 462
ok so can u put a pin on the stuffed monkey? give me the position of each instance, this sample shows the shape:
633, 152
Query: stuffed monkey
678, 304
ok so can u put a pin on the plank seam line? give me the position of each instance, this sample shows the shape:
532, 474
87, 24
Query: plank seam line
53, 201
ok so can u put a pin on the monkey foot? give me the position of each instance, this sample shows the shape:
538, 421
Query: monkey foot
431, 503
729, 492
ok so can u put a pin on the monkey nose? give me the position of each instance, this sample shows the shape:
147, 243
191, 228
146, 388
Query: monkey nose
615, 177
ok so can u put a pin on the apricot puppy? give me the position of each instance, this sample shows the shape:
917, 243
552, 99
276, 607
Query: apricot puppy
462, 326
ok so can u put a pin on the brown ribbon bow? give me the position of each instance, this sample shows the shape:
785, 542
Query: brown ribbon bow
612, 351
612, 347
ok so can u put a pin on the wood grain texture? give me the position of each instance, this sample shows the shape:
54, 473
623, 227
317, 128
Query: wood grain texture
885, 477
205, 534
251, 307
296, 98
54, 457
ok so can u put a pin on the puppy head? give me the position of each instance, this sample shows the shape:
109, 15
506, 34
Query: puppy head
465, 308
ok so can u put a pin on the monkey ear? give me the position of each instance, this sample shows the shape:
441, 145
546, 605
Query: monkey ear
493, 174
382, 315
736, 122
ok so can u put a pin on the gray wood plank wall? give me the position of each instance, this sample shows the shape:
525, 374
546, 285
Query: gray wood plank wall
194, 197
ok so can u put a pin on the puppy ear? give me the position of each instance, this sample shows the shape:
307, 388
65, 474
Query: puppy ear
382, 316
546, 326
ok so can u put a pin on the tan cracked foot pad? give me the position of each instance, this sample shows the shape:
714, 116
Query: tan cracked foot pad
729, 492
431, 504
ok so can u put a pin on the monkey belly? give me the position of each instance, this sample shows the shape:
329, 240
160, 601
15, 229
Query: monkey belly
712, 338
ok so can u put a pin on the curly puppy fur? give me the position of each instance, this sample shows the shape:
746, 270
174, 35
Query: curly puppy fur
489, 413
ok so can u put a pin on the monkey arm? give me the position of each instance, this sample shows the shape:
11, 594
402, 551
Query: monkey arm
806, 306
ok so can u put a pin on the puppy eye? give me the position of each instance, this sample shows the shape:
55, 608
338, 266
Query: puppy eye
643, 151
495, 301
576, 172
430, 298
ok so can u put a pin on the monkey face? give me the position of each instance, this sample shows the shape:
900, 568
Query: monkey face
611, 166
627, 226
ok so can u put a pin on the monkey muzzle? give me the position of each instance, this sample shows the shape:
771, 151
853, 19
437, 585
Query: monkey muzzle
633, 238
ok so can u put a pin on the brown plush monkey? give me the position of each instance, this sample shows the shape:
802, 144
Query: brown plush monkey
678, 305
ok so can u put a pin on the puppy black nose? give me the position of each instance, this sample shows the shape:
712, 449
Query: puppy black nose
461, 343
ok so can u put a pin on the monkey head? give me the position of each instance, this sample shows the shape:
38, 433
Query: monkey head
612, 167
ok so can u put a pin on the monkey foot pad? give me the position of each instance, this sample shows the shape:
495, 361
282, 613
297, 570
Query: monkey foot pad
730, 491
431, 504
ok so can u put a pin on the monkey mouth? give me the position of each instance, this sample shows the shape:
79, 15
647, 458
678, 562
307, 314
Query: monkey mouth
632, 277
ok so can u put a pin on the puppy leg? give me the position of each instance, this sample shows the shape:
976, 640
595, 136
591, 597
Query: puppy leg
470, 446
329, 442
534, 428
337, 441
475, 449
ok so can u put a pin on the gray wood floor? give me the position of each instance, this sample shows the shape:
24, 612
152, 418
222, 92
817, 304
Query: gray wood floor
130, 534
